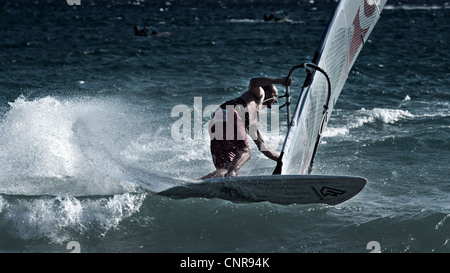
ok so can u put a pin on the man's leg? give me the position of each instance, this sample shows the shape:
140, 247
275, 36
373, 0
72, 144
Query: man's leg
232, 168
216, 173
221, 158
230, 155
239, 160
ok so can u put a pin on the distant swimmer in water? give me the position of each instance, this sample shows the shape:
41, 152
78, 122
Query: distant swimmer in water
271, 17
143, 32
268, 18
140, 32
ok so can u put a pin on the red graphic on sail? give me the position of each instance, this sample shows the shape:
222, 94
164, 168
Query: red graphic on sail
358, 32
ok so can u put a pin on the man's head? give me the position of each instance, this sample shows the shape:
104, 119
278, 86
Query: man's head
270, 95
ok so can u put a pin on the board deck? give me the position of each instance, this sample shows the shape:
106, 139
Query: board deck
279, 189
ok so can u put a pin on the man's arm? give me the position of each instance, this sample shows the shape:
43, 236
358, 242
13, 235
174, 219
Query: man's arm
263, 147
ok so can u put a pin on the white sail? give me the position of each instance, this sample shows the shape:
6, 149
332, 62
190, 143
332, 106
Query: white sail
347, 32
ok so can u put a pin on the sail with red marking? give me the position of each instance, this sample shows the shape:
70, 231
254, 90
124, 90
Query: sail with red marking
347, 32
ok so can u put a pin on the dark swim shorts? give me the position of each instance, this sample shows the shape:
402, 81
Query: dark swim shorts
223, 150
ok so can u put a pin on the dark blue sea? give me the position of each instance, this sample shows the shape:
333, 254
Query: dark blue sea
87, 109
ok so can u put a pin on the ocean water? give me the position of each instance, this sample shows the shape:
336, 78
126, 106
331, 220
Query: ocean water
87, 110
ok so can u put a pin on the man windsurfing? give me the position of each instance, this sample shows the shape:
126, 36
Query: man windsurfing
236, 118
